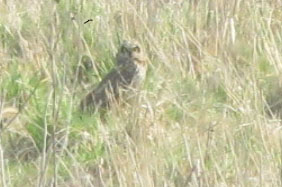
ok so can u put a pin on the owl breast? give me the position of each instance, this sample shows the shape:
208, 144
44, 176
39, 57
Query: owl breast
139, 77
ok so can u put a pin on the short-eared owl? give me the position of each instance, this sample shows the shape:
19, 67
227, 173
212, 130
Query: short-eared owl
129, 73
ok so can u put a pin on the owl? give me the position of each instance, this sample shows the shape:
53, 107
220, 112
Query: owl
125, 78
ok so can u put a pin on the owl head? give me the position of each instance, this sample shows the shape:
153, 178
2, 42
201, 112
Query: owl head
130, 52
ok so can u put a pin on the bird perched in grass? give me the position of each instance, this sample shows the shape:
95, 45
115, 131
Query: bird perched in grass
125, 78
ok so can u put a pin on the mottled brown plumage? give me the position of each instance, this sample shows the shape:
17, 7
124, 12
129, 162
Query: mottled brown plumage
128, 74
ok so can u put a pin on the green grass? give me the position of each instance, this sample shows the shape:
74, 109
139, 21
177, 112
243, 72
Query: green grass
209, 110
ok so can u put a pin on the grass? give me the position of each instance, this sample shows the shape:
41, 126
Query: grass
208, 114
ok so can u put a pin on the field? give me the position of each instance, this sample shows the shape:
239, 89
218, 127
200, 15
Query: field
208, 114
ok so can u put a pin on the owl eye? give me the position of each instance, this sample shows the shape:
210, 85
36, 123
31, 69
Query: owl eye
136, 49
124, 49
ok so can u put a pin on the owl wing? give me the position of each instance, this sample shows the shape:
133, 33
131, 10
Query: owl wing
109, 88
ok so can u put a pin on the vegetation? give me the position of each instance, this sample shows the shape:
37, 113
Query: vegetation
207, 115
